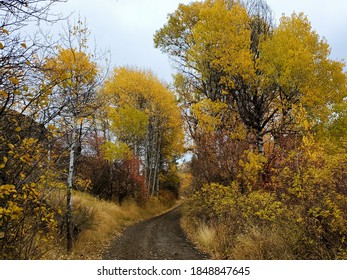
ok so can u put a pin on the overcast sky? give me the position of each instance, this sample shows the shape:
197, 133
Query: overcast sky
126, 27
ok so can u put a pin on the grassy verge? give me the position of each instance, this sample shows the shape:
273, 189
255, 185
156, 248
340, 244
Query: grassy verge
201, 235
258, 243
228, 224
97, 222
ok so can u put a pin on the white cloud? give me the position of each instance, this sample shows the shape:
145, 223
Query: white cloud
127, 27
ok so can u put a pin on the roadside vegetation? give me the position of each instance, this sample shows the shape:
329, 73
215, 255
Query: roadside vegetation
83, 153
265, 110
97, 222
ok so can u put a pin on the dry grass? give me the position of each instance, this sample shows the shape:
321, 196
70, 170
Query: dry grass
100, 221
262, 244
206, 237
256, 243
202, 235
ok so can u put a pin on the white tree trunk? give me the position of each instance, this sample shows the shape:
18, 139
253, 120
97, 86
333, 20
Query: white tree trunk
260, 143
72, 148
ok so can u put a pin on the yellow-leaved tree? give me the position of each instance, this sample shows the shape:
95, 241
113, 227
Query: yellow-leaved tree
28, 223
230, 52
144, 115
73, 76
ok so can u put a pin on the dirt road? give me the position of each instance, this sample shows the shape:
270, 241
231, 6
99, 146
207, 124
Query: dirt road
159, 238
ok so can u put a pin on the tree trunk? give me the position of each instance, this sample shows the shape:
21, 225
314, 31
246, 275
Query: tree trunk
148, 168
156, 158
154, 162
157, 164
72, 147
260, 142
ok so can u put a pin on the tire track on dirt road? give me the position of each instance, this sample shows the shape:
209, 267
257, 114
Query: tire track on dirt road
159, 238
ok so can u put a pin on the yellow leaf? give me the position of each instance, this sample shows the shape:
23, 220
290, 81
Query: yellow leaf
14, 80
3, 93
18, 129
23, 45
1, 46
5, 159
5, 31
2, 166
10, 146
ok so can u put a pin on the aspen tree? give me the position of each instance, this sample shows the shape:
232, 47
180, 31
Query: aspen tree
73, 75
